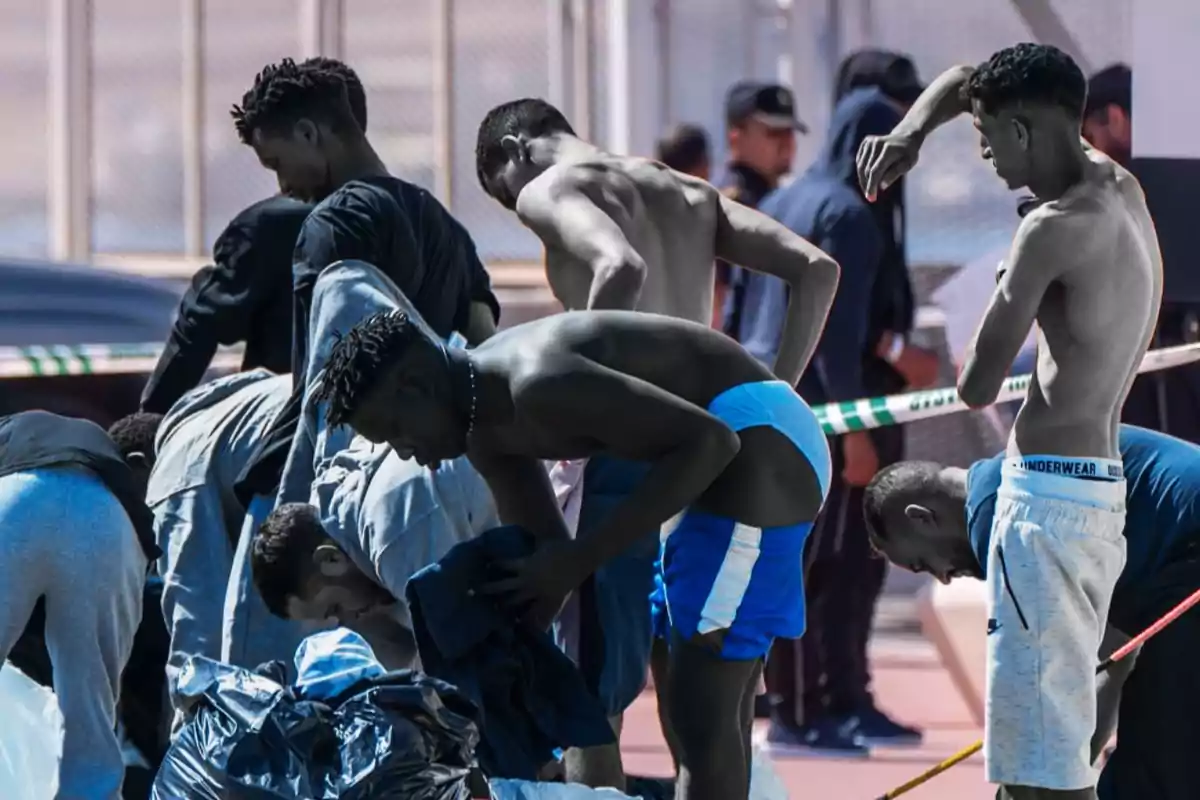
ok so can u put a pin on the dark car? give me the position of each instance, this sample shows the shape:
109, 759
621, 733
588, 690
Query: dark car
44, 304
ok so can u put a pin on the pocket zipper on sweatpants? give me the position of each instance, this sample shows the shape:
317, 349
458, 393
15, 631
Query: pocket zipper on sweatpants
1008, 587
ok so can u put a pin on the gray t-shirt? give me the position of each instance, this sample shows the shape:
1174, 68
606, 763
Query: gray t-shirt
394, 517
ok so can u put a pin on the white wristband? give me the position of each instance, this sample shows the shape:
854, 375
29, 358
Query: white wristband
897, 347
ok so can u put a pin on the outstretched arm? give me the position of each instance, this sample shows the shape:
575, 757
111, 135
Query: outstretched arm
753, 240
1037, 258
941, 102
882, 160
563, 213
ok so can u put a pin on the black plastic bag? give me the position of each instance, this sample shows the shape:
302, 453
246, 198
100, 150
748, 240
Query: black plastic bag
249, 738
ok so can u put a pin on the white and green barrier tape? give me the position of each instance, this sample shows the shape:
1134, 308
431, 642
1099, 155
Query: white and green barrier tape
854, 415
877, 412
92, 359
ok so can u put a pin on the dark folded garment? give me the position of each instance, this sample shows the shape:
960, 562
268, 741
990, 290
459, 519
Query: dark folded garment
532, 698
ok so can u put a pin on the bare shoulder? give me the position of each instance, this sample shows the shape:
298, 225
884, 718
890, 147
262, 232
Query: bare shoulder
1047, 237
596, 181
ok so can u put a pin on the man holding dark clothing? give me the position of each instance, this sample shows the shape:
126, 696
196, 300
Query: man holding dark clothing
761, 126
819, 686
299, 122
245, 295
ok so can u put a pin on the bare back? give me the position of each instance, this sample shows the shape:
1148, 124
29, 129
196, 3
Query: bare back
669, 218
1095, 320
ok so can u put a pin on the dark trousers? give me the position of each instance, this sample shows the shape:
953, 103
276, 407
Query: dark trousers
827, 672
1158, 727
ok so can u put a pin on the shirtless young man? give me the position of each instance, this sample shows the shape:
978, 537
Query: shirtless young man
629, 233
739, 467
1084, 265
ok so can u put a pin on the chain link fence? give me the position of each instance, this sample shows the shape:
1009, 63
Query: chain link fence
959, 211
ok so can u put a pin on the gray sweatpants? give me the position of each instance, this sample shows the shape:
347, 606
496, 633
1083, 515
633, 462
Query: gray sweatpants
66, 537
195, 570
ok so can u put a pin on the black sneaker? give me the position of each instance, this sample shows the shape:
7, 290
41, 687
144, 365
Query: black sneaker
826, 738
877, 729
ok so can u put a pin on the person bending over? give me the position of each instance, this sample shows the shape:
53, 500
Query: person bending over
375, 520
202, 445
739, 467
926, 517
300, 123
1085, 265
631, 233
77, 532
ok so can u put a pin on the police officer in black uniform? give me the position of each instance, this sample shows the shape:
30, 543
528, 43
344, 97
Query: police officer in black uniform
761, 126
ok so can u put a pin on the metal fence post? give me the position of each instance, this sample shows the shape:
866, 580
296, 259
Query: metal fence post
69, 191
443, 101
321, 28
583, 67
193, 126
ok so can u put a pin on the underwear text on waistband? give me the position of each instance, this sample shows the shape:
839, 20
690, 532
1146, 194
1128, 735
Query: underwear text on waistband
1096, 469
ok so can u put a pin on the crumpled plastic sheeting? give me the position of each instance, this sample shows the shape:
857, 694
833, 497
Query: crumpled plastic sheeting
329, 662
401, 735
30, 738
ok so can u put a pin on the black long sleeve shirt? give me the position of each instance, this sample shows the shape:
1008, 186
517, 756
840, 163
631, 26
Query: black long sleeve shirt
245, 296
408, 235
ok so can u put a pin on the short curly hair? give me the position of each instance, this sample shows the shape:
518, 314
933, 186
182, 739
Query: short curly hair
1029, 73
360, 357
136, 433
286, 92
281, 554
355, 93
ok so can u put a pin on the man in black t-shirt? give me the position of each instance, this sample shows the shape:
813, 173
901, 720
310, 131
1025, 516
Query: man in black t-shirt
245, 294
298, 120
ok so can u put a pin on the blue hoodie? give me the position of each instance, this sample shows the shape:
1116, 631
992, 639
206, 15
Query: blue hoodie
826, 207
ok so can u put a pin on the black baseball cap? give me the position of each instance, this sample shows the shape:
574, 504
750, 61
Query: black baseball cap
1111, 86
769, 103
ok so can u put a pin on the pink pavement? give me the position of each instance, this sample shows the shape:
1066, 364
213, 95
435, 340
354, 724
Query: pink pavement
911, 684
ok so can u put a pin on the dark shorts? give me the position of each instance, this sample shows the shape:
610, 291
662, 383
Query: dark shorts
1159, 729
615, 627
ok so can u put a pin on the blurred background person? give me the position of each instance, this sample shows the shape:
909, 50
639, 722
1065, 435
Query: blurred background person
760, 130
685, 149
1164, 401
1167, 400
1108, 115
819, 687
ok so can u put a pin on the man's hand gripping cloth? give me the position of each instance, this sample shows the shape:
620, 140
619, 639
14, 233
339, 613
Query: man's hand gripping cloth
532, 698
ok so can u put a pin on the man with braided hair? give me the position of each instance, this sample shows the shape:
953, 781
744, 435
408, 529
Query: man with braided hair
739, 467
299, 121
